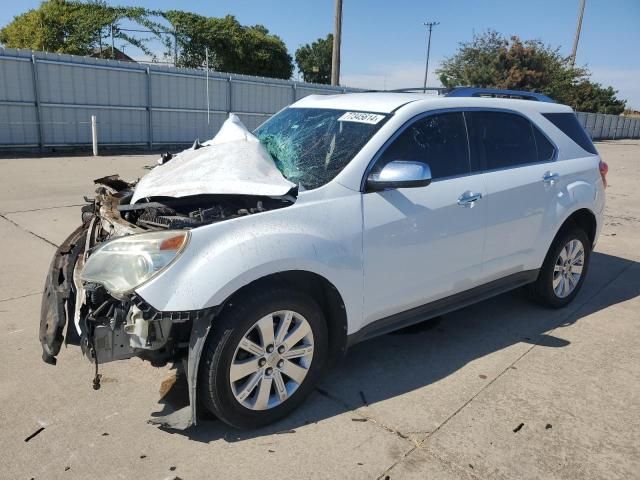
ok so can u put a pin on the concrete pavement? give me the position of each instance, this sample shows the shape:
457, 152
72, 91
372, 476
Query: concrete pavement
503, 389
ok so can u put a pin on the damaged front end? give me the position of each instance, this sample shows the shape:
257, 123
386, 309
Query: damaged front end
132, 232
105, 317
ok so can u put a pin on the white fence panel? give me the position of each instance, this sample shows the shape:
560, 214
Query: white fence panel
47, 100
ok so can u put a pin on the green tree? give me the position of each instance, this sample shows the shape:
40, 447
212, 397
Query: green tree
314, 61
494, 61
233, 47
76, 28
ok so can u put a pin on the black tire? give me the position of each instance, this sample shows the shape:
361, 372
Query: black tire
542, 289
214, 386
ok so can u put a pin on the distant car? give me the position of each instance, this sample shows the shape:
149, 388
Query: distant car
258, 258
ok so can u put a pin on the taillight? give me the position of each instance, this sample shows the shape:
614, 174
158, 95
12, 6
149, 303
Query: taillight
604, 169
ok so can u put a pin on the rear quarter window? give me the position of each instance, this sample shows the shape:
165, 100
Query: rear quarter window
568, 123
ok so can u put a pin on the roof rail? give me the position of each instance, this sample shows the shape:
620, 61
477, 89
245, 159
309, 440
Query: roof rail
438, 90
497, 93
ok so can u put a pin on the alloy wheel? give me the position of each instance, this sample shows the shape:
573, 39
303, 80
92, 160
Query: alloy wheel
271, 360
568, 268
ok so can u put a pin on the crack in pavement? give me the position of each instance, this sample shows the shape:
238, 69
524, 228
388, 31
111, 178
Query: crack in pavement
28, 231
20, 296
562, 321
365, 416
43, 208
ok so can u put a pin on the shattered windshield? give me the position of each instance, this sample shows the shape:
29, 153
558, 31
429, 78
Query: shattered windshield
310, 146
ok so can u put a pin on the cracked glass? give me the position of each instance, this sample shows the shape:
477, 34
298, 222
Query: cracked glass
310, 146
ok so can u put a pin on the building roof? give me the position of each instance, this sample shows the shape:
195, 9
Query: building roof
106, 53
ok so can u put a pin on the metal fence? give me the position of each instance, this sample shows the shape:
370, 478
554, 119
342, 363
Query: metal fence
609, 127
47, 100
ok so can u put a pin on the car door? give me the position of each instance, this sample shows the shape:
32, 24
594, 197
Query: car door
425, 243
521, 186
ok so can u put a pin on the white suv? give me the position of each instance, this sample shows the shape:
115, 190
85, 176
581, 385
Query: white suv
258, 258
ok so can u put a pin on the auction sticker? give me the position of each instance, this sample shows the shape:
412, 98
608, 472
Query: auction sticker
361, 117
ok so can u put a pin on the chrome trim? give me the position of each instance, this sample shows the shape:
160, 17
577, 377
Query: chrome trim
550, 178
468, 199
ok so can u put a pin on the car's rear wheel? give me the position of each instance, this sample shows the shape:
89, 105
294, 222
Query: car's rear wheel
564, 269
264, 355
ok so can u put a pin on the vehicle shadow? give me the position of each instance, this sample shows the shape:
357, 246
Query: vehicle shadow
417, 356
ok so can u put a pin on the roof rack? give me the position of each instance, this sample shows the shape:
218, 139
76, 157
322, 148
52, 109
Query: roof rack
474, 92
497, 93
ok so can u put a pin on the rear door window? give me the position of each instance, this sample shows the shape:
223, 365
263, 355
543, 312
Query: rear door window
546, 150
439, 140
501, 139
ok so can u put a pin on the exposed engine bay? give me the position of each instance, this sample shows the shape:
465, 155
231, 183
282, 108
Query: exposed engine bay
112, 205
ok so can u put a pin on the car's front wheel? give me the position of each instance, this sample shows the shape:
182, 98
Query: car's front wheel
264, 355
564, 269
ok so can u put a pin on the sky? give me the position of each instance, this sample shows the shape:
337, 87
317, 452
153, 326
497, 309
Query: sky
384, 42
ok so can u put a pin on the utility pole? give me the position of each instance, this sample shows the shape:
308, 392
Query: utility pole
577, 37
430, 26
206, 56
337, 34
175, 47
112, 45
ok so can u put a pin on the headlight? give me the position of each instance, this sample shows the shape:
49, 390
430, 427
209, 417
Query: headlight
126, 262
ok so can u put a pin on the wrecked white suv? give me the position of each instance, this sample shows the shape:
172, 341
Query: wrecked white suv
257, 258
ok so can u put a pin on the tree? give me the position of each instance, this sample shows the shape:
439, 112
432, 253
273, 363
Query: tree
314, 61
234, 48
493, 61
76, 28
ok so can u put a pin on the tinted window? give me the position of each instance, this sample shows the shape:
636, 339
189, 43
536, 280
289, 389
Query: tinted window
439, 140
501, 139
568, 123
544, 146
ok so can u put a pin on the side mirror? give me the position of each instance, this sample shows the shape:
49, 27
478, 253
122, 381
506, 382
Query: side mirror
400, 174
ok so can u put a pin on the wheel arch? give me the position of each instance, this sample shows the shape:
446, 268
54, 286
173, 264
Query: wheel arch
320, 289
583, 218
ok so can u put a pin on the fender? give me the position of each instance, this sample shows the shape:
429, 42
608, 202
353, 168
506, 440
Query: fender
577, 195
324, 238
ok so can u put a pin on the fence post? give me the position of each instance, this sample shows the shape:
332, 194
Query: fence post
94, 135
36, 97
229, 97
149, 113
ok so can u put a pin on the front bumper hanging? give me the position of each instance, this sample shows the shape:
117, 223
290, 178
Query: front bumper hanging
58, 300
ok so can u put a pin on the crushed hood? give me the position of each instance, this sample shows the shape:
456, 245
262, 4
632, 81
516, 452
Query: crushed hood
233, 162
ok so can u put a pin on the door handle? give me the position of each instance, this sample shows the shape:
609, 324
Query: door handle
468, 199
550, 178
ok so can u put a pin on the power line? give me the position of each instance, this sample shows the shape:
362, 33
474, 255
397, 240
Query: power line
430, 26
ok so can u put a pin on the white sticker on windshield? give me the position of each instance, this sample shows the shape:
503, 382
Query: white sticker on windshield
361, 117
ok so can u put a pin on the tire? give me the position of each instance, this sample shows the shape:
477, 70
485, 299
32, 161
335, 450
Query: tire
244, 320
546, 290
